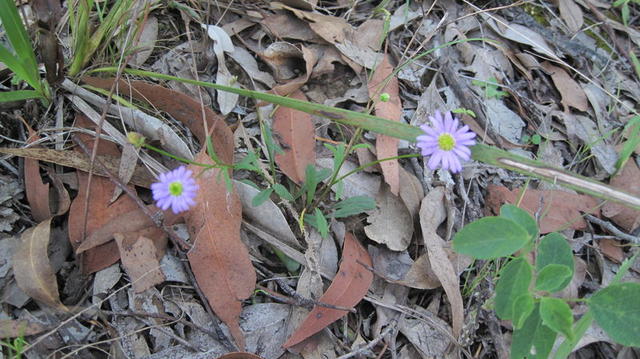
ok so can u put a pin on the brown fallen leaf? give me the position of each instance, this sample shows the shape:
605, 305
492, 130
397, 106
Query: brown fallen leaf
141, 176
411, 191
310, 59
18, 328
571, 13
126, 222
572, 94
432, 214
32, 269
295, 132
219, 259
99, 211
611, 249
557, 209
381, 82
628, 180
139, 253
347, 289
37, 192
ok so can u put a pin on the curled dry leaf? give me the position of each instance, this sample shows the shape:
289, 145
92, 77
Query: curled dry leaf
32, 269
295, 132
219, 259
381, 82
557, 209
432, 214
391, 222
347, 289
628, 180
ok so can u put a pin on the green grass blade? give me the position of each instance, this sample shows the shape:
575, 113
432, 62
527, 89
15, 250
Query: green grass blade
368, 122
12, 23
480, 152
634, 140
19, 95
13, 62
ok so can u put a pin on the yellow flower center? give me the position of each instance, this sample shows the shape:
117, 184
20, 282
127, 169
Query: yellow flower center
175, 188
446, 142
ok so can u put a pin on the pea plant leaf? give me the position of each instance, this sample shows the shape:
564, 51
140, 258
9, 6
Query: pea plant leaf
521, 217
617, 310
347, 289
490, 237
532, 334
554, 249
514, 282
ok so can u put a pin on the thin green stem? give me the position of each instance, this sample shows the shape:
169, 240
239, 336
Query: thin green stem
373, 163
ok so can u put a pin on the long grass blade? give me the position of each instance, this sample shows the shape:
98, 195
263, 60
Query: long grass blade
12, 23
480, 152
19, 95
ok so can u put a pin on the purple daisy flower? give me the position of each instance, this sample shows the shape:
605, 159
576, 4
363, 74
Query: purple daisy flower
176, 189
446, 143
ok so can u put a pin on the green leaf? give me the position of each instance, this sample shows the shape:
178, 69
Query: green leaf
321, 223
514, 282
248, 163
625, 14
556, 314
579, 329
617, 310
553, 277
292, 266
282, 191
261, 197
536, 139
227, 181
18, 95
521, 217
490, 237
19, 39
533, 340
554, 249
312, 179
522, 308
353, 205
633, 126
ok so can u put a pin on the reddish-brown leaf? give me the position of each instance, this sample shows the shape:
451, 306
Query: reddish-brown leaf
628, 180
32, 269
347, 289
219, 259
140, 256
557, 209
99, 210
181, 107
126, 222
37, 192
381, 82
294, 131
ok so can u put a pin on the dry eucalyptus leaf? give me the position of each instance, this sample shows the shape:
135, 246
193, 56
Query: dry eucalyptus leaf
571, 13
628, 180
432, 214
32, 269
146, 42
357, 184
571, 92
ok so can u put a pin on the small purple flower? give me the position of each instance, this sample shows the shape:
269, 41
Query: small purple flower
446, 143
176, 189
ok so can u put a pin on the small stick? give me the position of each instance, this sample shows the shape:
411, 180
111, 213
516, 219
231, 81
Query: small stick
372, 343
611, 228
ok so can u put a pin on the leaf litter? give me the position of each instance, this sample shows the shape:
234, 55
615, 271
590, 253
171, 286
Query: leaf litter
307, 50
